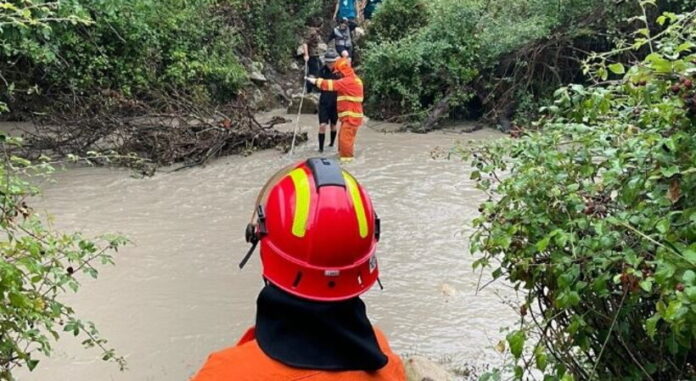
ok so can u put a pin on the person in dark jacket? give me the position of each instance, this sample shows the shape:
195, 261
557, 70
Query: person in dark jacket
328, 115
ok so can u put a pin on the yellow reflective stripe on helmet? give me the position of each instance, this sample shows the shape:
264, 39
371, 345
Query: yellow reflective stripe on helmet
349, 98
350, 113
357, 203
331, 85
299, 222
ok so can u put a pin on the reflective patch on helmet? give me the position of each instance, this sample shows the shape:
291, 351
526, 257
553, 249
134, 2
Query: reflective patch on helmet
373, 263
357, 203
299, 222
332, 272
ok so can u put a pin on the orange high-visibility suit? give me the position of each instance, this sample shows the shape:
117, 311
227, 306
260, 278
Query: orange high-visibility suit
247, 362
349, 106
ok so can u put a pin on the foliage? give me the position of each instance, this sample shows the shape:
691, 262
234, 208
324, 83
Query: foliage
595, 218
37, 266
485, 35
396, 19
411, 74
273, 25
132, 47
18, 25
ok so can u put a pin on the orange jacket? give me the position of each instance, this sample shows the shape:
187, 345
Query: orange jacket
247, 362
350, 92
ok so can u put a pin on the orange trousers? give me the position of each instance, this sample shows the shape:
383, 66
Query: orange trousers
346, 139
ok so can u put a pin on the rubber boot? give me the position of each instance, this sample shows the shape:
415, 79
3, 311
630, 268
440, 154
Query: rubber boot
322, 138
333, 138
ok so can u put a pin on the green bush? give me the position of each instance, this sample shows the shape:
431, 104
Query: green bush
396, 19
482, 35
134, 47
37, 264
37, 267
270, 28
594, 217
408, 75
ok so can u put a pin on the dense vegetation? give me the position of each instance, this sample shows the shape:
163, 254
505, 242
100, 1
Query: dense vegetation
143, 49
37, 264
594, 217
505, 57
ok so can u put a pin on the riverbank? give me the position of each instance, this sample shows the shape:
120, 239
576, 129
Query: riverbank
176, 294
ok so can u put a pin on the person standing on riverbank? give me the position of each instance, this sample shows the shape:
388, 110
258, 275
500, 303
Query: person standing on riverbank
312, 54
341, 35
347, 9
328, 115
349, 105
318, 234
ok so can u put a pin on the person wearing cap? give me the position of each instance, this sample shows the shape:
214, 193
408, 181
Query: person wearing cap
341, 35
328, 115
318, 233
349, 89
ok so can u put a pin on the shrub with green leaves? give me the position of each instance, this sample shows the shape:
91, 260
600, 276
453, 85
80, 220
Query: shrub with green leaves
37, 266
134, 47
271, 28
594, 217
396, 19
409, 75
470, 47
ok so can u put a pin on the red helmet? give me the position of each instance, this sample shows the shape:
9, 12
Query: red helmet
318, 232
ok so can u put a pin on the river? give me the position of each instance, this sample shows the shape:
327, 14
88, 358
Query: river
176, 293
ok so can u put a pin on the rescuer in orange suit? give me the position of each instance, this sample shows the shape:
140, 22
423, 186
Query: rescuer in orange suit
318, 234
349, 104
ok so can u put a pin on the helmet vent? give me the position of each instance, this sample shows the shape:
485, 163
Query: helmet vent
297, 280
332, 284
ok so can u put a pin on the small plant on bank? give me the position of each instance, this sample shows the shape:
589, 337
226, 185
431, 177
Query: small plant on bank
594, 217
37, 266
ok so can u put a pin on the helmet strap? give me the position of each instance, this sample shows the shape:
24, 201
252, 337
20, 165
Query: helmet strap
248, 255
254, 235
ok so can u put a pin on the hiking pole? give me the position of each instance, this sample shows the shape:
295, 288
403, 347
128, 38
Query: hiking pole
299, 109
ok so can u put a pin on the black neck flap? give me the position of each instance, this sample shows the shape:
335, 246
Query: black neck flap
316, 335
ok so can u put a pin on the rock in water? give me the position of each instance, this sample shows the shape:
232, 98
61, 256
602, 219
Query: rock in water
309, 104
421, 369
447, 290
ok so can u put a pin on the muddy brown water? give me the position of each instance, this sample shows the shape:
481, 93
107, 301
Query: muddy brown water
176, 293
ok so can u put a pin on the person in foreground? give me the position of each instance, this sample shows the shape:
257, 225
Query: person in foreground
349, 104
318, 233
